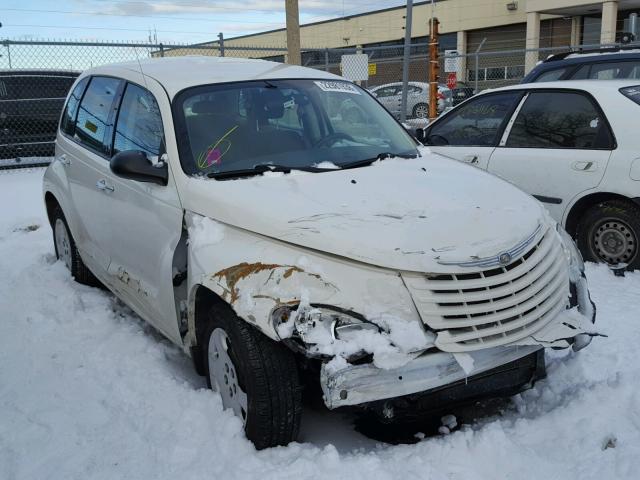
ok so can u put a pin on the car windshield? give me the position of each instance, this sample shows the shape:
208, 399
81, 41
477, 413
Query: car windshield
287, 124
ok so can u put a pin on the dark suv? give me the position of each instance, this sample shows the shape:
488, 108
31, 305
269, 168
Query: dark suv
30, 105
604, 64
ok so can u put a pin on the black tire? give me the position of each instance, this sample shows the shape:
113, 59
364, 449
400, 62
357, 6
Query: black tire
267, 372
615, 221
418, 106
79, 270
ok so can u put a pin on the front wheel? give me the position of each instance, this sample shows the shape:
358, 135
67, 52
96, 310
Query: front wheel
609, 233
421, 110
256, 377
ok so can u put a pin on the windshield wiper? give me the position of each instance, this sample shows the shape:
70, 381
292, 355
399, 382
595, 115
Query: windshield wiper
369, 161
262, 168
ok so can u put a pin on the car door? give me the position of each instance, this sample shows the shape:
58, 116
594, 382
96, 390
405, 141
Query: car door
145, 219
83, 149
471, 132
558, 146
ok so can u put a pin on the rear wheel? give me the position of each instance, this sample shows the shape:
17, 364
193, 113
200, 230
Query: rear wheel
67, 252
421, 110
256, 377
609, 233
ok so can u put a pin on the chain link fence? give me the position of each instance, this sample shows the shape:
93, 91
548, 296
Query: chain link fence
35, 77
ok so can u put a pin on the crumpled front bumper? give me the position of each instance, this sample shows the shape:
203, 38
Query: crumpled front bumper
358, 384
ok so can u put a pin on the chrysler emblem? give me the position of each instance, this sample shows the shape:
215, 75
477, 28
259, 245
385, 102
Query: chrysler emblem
504, 258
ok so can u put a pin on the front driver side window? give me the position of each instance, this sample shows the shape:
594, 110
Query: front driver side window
139, 125
476, 123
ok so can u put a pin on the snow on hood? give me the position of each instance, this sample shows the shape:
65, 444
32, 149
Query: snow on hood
402, 214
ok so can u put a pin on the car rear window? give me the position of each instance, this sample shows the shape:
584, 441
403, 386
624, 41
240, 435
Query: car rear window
35, 87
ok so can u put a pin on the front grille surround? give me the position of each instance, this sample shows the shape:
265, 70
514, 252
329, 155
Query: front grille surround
488, 308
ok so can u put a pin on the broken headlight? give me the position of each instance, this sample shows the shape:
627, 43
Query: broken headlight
316, 328
574, 257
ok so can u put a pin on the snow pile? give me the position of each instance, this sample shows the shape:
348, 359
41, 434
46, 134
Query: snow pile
88, 391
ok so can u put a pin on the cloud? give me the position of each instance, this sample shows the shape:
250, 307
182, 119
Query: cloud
191, 7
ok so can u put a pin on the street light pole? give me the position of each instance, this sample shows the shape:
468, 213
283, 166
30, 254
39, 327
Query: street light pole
293, 32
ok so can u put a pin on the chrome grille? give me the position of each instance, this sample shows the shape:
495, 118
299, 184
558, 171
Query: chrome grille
488, 308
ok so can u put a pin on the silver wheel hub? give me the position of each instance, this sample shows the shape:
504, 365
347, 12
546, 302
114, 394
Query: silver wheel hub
224, 376
614, 242
421, 111
63, 244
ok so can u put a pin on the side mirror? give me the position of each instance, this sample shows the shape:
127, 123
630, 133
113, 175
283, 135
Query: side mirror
134, 165
420, 136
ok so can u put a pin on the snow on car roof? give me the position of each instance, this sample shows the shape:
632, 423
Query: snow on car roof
178, 73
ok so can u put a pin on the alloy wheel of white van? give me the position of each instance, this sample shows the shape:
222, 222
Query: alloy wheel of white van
223, 374
63, 244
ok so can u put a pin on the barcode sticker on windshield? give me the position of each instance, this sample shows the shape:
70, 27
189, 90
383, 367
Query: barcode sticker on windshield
343, 87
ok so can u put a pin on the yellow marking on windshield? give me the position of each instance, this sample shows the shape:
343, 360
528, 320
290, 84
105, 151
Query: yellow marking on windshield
212, 154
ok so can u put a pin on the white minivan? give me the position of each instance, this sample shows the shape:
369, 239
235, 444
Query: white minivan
230, 205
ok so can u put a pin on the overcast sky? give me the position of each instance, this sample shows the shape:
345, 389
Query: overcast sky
174, 20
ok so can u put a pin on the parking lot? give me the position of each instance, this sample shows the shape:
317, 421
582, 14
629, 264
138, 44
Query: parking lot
88, 390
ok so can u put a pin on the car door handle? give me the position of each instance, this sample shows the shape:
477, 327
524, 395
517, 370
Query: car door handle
102, 185
472, 159
582, 166
64, 160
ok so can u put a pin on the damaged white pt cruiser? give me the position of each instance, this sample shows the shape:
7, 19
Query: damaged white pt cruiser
238, 207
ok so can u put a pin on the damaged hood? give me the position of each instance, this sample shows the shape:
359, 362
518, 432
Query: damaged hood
401, 214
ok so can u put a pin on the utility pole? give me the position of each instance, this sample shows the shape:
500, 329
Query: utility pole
293, 32
221, 44
434, 68
405, 61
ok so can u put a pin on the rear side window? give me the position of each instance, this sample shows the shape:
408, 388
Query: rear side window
560, 120
386, 92
551, 75
92, 125
139, 125
608, 71
476, 123
68, 122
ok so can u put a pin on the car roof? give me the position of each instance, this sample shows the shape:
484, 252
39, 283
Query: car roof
587, 85
593, 56
177, 73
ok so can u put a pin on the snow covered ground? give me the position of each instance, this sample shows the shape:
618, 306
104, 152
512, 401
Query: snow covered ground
88, 391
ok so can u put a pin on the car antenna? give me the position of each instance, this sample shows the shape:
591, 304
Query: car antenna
163, 146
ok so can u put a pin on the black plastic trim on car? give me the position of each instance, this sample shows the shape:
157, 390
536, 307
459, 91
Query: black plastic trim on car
544, 199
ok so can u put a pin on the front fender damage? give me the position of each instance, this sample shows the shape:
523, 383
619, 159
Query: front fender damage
256, 276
